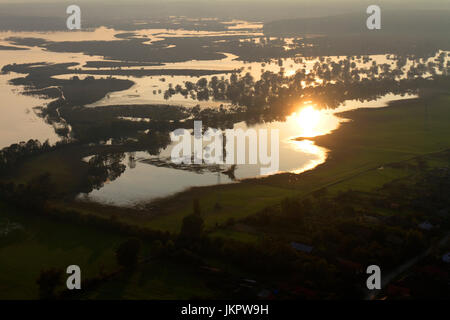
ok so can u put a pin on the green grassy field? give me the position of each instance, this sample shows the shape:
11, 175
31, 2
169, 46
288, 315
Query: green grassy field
46, 244
49, 244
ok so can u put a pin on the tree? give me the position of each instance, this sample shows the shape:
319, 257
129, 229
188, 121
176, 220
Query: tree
127, 253
196, 207
193, 224
48, 281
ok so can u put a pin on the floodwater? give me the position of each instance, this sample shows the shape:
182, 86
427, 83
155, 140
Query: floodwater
18, 120
143, 180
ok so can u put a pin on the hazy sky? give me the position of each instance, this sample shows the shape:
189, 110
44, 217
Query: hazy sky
397, 3
393, 2
263, 10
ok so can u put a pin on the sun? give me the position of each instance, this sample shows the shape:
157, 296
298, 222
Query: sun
308, 120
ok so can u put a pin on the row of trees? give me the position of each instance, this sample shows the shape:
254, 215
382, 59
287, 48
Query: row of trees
324, 71
18, 152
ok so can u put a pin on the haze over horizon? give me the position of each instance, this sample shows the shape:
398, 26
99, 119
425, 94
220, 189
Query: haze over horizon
265, 10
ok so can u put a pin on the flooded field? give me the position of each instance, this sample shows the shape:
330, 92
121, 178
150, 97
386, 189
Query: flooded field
145, 180
149, 177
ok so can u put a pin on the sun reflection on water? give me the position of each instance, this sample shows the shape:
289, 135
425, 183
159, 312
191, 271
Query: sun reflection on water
308, 147
309, 122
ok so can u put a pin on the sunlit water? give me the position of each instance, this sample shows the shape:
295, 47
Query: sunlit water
18, 120
143, 182
150, 90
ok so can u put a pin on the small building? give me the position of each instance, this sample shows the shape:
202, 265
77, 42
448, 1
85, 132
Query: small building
426, 226
301, 247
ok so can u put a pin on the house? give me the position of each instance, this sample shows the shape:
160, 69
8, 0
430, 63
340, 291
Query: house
426, 226
446, 257
301, 247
